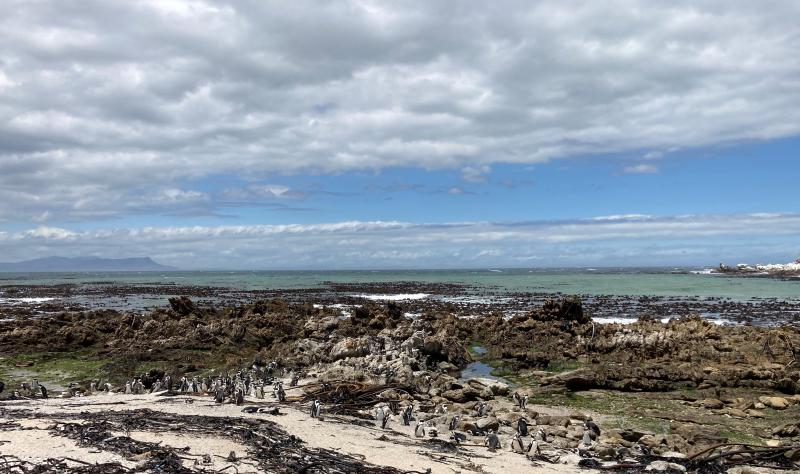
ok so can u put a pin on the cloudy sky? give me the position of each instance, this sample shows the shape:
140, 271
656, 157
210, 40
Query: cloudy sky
366, 134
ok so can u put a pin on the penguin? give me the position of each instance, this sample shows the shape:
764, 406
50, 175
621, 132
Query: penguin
408, 415
239, 396
533, 449
260, 392
317, 408
419, 431
219, 395
586, 442
43, 390
492, 441
640, 450
281, 394
453, 423
518, 399
516, 444
294, 381
379, 416
522, 426
34, 387
524, 401
540, 435
592, 426
457, 437
128, 388
432, 432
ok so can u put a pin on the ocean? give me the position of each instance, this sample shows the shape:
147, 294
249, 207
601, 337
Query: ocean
604, 281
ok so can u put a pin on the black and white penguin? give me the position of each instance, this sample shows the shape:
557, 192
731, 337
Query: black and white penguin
382, 417
457, 437
540, 435
586, 442
592, 426
316, 409
492, 441
518, 399
522, 426
453, 422
408, 415
516, 444
533, 449
419, 431
239, 396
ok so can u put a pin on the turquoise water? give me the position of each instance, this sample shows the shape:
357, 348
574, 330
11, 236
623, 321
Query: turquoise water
656, 282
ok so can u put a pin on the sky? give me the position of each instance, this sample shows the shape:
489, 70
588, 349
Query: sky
264, 134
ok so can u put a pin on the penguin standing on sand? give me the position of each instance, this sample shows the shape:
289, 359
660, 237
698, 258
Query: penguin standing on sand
518, 399
533, 449
408, 414
540, 436
522, 426
453, 423
128, 388
592, 427
492, 441
516, 444
586, 442
382, 416
457, 437
316, 409
281, 393
419, 431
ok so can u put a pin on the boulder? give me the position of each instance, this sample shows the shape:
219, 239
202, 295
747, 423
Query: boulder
488, 423
777, 403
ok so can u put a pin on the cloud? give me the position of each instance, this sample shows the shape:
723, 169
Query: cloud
641, 169
605, 240
104, 101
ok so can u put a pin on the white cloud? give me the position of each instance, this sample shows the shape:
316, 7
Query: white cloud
610, 240
641, 169
130, 97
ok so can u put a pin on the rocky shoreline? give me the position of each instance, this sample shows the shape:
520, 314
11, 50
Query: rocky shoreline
685, 395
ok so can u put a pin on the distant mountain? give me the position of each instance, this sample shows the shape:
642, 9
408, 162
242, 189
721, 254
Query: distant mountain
85, 264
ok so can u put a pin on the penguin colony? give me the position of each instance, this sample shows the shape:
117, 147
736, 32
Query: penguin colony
258, 381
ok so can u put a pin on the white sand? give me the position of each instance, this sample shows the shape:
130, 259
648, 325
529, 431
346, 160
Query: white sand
37, 444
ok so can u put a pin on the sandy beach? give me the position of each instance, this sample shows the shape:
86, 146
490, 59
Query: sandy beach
37, 439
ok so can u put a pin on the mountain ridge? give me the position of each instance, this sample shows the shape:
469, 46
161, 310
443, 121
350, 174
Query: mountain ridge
85, 264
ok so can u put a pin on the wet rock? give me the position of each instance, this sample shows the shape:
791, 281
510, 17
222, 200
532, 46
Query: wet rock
182, 305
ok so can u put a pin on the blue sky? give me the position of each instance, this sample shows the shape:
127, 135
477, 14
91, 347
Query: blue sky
361, 134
